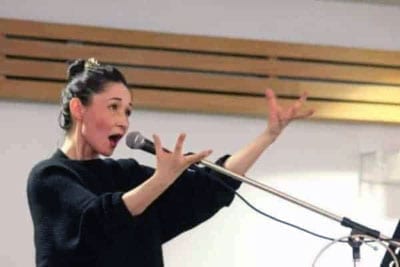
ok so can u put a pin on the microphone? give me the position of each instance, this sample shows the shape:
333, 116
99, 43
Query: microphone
136, 140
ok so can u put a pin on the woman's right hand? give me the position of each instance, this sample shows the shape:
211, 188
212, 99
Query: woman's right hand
171, 164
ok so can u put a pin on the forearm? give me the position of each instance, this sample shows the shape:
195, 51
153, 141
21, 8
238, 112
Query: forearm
170, 165
241, 161
139, 198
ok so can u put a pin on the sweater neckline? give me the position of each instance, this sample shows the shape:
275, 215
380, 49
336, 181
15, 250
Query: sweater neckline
61, 155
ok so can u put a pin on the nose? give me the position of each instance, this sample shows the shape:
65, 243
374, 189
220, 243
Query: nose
123, 122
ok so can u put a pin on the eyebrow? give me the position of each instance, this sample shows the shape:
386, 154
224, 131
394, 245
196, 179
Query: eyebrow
120, 100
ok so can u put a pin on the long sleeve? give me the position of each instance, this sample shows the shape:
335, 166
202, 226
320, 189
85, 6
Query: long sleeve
75, 221
192, 199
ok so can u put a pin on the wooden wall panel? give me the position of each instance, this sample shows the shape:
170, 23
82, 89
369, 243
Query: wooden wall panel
201, 73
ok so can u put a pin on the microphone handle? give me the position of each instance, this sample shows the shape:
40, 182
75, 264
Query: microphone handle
148, 146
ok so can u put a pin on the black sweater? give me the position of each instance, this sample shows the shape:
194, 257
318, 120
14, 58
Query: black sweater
80, 219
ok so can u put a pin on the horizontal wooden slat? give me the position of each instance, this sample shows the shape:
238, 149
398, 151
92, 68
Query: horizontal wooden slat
30, 91
143, 57
33, 69
200, 81
338, 91
275, 69
2, 42
221, 83
255, 106
335, 53
195, 81
334, 72
199, 43
126, 37
2, 59
197, 62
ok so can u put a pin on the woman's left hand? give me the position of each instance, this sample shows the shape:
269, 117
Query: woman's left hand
279, 117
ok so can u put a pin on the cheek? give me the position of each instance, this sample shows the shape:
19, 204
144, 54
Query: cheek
102, 124
97, 127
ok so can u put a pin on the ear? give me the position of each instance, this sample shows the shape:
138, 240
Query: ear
76, 108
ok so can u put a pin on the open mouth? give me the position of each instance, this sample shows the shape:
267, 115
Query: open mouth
114, 138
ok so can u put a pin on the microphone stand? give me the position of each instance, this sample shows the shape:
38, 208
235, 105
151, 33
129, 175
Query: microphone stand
135, 140
355, 227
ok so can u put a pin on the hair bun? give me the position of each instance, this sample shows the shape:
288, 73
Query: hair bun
75, 68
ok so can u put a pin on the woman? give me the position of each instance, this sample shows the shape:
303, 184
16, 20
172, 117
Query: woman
89, 211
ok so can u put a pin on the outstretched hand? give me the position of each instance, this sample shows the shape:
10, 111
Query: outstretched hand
279, 117
171, 164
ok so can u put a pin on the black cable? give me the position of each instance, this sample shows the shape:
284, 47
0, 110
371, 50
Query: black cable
275, 218
285, 222
260, 211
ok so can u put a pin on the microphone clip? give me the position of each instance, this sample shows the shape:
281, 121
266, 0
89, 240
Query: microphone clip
355, 241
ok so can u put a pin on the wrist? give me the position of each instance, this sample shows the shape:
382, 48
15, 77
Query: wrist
269, 137
163, 180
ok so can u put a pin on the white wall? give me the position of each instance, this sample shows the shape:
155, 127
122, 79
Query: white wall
314, 160
307, 21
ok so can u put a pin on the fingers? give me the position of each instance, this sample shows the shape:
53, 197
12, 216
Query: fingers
179, 144
274, 109
178, 150
269, 93
300, 102
297, 106
271, 100
303, 97
295, 112
174, 163
273, 103
305, 114
193, 158
157, 144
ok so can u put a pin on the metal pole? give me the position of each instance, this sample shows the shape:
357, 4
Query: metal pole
343, 220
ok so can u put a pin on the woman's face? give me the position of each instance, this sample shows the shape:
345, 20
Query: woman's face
106, 119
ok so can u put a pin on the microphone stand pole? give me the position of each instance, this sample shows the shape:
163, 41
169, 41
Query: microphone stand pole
359, 228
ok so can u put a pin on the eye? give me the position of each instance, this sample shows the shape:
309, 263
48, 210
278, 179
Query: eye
113, 107
128, 112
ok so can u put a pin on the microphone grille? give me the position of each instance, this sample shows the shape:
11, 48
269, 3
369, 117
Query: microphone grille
135, 140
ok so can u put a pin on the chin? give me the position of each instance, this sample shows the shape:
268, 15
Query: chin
105, 153
108, 153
